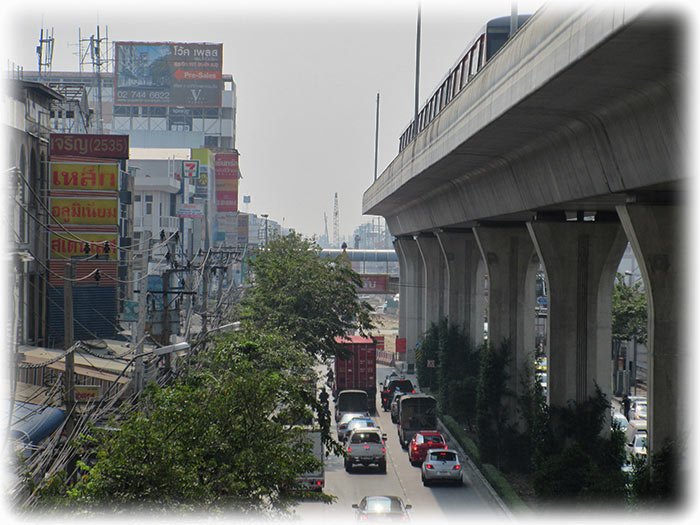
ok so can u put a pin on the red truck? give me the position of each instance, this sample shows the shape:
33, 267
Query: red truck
359, 372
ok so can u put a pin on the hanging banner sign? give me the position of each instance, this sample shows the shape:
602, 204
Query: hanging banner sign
84, 176
79, 145
226, 173
82, 210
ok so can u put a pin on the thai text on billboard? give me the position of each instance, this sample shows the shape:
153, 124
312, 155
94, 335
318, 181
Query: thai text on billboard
63, 246
167, 74
190, 211
374, 283
81, 210
226, 173
77, 145
84, 176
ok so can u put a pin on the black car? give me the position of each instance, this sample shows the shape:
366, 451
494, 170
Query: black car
381, 508
402, 384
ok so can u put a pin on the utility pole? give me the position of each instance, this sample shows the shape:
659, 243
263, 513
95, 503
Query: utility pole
68, 339
165, 336
141, 326
205, 295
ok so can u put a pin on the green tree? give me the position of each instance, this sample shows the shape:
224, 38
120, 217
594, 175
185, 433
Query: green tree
310, 299
629, 311
225, 435
490, 411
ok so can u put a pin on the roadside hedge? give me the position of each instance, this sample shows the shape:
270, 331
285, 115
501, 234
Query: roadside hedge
490, 472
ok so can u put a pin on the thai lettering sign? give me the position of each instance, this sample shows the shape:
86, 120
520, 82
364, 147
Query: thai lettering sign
167, 74
86, 393
84, 176
81, 210
190, 211
374, 283
226, 173
64, 246
243, 224
76, 145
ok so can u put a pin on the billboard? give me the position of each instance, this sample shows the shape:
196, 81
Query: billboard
167, 74
78, 145
65, 248
226, 177
243, 225
374, 283
85, 210
205, 157
190, 211
84, 176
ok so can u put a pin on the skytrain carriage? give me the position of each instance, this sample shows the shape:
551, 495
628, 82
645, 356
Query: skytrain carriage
488, 41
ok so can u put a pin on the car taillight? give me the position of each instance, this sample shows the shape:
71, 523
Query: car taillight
383, 449
363, 517
319, 483
404, 518
349, 449
428, 466
413, 391
456, 467
415, 447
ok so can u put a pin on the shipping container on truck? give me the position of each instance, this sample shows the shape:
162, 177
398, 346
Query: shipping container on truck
359, 372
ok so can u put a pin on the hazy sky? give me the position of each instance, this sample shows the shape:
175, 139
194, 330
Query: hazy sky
307, 76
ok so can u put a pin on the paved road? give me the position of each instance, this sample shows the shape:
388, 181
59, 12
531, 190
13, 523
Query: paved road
433, 505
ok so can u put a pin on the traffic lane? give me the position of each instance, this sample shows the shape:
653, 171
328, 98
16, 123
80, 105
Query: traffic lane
437, 502
472, 498
434, 505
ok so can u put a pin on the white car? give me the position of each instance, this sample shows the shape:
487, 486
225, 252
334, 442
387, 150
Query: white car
620, 420
441, 465
637, 448
639, 409
357, 422
345, 419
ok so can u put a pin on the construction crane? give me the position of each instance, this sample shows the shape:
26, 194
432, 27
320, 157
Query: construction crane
336, 223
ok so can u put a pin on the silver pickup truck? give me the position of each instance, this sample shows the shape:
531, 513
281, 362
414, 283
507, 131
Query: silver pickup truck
365, 446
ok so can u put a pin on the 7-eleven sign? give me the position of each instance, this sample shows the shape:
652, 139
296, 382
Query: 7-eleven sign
190, 169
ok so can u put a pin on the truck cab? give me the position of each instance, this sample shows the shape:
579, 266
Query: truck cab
365, 446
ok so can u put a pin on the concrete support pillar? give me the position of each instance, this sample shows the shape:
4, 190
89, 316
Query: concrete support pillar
655, 234
580, 260
464, 276
434, 279
403, 294
511, 265
412, 303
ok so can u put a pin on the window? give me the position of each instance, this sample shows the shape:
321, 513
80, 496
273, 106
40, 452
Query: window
149, 208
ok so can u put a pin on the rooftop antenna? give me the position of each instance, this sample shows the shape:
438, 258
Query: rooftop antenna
45, 50
96, 54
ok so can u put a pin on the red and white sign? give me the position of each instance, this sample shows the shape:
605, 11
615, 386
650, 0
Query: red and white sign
374, 283
227, 175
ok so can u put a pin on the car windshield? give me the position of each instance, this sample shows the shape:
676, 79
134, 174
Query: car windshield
443, 456
348, 417
355, 423
379, 505
366, 437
